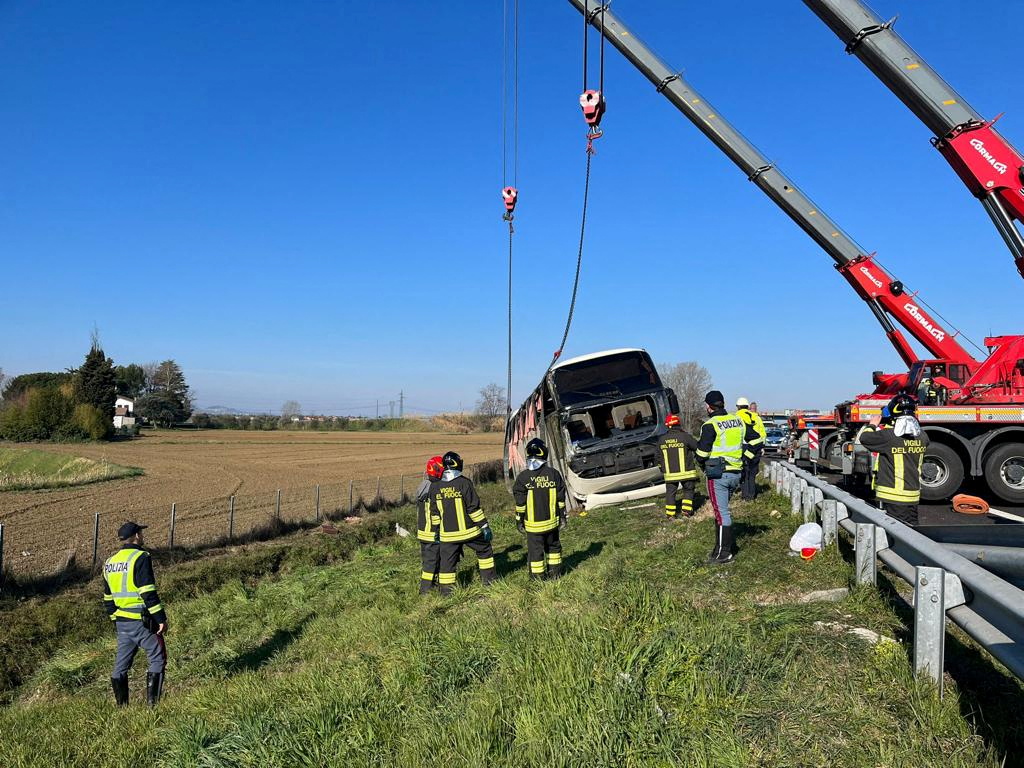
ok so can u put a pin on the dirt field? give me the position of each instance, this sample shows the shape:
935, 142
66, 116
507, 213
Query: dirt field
198, 471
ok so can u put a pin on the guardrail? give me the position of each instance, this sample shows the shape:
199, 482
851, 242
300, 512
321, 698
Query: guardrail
946, 585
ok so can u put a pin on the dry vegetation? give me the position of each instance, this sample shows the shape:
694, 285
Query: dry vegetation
200, 470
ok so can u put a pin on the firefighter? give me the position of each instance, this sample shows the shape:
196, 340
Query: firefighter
427, 526
678, 467
928, 392
131, 601
720, 456
460, 522
897, 438
752, 448
539, 493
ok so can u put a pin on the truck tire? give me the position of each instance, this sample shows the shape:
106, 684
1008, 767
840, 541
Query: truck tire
1004, 472
942, 473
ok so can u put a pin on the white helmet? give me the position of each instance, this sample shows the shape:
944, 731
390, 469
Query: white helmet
742, 402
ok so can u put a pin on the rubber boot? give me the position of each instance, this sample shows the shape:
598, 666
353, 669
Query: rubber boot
555, 571
717, 551
488, 577
725, 554
425, 586
154, 687
120, 686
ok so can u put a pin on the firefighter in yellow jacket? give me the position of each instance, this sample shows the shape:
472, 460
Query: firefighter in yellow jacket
678, 467
460, 522
428, 528
539, 493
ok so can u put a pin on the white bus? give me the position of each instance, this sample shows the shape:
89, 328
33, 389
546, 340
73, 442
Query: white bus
601, 416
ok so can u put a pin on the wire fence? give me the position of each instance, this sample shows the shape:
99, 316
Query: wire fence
84, 541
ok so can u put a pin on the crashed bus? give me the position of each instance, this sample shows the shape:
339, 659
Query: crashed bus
601, 416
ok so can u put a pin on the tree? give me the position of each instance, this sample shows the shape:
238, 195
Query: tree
691, 381
289, 409
130, 380
94, 383
3, 377
19, 385
167, 401
492, 401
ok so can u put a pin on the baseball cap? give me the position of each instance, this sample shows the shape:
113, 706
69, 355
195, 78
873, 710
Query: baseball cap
129, 529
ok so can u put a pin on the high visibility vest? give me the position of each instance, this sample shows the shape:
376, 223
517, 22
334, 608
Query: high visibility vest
754, 420
729, 432
118, 570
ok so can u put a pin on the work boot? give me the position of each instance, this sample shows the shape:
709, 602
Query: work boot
725, 553
718, 544
488, 577
555, 571
120, 686
426, 586
154, 686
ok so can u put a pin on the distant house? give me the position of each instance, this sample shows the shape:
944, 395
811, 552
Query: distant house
124, 412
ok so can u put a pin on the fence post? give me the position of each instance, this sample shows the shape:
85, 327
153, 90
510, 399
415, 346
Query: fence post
829, 522
401, 489
95, 540
277, 507
376, 498
318, 502
1, 553
866, 566
930, 623
350, 496
231, 520
174, 514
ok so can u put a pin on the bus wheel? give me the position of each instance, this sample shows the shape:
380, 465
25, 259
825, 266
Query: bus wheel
1004, 472
942, 473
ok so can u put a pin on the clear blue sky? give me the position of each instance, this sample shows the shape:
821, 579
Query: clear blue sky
301, 200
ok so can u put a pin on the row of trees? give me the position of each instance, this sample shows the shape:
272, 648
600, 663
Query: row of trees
78, 403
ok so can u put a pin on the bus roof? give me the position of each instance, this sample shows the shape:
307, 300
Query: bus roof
594, 355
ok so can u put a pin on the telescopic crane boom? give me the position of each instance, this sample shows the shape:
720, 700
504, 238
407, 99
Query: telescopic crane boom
988, 164
885, 296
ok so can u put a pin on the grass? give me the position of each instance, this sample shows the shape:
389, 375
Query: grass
25, 469
317, 652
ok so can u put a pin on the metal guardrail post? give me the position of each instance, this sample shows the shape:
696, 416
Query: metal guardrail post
231, 519
807, 504
794, 497
829, 522
95, 540
866, 566
930, 624
174, 515
318, 502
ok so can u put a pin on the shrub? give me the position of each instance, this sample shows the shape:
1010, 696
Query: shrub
89, 421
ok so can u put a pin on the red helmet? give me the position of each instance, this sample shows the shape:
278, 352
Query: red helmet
671, 420
435, 468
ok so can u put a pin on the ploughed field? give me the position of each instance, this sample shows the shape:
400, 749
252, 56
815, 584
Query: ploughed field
199, 471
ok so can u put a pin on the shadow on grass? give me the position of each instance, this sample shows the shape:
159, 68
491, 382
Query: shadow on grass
577, 558
265, 651
742, 530
505, 565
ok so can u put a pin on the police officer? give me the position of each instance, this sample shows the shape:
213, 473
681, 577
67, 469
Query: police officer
720, 455
461, 523
678, 467
897, 438
129, 595
753, 448
428, 529
539, 493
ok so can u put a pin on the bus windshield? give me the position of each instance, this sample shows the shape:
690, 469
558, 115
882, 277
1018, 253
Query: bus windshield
611, 376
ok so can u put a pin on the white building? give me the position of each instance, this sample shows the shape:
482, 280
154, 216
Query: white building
124, 412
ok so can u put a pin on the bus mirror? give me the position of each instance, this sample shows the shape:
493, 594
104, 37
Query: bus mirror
673, 401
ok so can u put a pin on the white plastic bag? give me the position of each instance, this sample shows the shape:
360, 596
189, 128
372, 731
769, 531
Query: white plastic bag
807, 536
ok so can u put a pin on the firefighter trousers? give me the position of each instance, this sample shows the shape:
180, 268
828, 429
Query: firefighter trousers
905, 513
685, 502
451, 554
430, 554
544, 551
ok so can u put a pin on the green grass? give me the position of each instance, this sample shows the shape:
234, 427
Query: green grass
24, 469
642, 655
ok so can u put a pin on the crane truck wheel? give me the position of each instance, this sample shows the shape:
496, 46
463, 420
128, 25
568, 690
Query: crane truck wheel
1004, 472
942, 473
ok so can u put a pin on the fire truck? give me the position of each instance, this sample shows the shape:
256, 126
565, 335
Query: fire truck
976, 423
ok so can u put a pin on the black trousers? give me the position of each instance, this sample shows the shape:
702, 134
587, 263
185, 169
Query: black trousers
451, 554
544, 551
685, 504
905, 513
748, 477
430, 554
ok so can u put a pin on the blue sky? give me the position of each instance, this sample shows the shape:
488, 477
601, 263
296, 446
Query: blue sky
301, 200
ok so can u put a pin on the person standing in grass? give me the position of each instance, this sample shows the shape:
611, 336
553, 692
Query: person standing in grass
539, 493
753, 447
461, 523
132, 603
678, 467
428, 528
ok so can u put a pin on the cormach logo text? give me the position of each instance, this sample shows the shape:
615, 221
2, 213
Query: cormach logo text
872, 278
938, 333
979, 145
